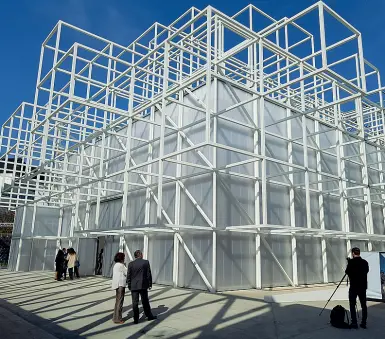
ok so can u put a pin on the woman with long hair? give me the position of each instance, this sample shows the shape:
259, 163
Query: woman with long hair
72, 263
119, 285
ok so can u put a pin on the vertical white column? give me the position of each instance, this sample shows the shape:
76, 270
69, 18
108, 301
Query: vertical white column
341, 167
145, 246
362, 62
294, 256
178, 174
212, 101
20, 240
71, 94
292, 199
305, 151
365, 172
321, 203
322, 34
257, 209
162, 133
262, 134
127, 160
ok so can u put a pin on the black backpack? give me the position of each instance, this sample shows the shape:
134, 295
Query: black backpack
337, 317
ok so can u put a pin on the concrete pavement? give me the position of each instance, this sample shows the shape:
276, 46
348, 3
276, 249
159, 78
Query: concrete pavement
83, 309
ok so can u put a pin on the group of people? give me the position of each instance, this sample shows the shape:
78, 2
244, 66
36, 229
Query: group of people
66, 260
137, 277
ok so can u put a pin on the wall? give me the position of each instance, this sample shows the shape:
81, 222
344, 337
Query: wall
236, 199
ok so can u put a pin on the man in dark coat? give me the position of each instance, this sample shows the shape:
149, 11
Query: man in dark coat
357, 271
59, 261
139, 281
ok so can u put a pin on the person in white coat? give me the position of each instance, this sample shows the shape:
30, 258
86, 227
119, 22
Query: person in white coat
119, 285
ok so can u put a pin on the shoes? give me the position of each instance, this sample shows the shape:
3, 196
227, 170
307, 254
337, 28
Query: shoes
153, 317
136, 321
363, 326
354, 326
119, 322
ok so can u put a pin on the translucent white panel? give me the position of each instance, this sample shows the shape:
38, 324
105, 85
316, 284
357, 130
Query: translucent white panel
357, 221
235, 261
378, 246
272, 274
46, 221
315, 210
378, 219
274, 113
235, 201
361, 244
336, 258
38, 253
229, 96
28, 221
300, 208
133, 242
87, 256
136, 208
50, 255
111, 247
25, 255
309, 259
110, 214
13, 254
200, 189
66, 223
234, 135
160, 255
18, 221
278, 205
332, 213
200, 245
168, 200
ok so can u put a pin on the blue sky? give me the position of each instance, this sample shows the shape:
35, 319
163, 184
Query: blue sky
24, 24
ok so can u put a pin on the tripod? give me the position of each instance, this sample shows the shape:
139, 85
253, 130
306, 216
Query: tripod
343, 278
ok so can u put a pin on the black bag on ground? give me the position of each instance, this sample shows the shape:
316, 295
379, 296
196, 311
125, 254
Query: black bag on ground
337, 317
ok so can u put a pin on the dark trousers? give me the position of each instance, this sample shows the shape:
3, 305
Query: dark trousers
77, 272
361, 294
118, 310
64, 273
71, 272
145, 302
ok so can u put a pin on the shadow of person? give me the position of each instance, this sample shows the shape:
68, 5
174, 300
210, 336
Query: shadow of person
157, 311
160, 310
130, 313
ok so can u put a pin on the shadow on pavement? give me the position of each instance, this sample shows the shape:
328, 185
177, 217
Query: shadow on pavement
84, 310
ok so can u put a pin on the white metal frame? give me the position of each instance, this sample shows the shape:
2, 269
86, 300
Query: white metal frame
88, 94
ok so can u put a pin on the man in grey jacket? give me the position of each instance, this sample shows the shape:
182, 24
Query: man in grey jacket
139, 281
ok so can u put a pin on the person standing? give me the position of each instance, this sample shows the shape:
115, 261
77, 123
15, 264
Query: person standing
59, 263
119, 276
77, 265
64, 273
71, 263
357, 271
99, 263
139, 281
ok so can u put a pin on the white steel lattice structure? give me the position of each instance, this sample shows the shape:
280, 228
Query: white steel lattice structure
235, 156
